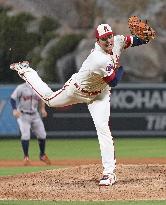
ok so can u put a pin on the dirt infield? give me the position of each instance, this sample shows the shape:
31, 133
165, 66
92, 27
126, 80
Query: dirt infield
18, 163
143, 179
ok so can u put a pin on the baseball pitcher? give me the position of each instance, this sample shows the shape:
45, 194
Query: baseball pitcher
100, 71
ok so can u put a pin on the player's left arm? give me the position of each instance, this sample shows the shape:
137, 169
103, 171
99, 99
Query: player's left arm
42, 108
132, 41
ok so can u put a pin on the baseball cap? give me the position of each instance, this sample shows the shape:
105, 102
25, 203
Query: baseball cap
103, 30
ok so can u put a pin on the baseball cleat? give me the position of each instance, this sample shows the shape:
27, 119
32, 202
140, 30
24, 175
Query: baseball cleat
26, 161
15, 66
107, 180
20, 67
25, 63
45, 159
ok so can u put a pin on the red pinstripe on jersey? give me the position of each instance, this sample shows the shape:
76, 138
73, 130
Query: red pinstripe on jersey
51, 97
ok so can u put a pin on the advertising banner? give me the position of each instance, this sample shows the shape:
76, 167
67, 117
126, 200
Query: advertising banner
136, 110
139, 109
8, 124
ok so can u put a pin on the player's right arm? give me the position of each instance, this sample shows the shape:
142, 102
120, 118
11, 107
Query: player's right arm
13, 102
118, 76
16, 113
114, 73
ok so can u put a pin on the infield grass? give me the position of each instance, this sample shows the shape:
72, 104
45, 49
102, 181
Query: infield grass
83, 203
86, 148
4, 171
79, 149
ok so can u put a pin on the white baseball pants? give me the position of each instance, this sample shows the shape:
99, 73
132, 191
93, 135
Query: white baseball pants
32, 123
100, 112
99, 107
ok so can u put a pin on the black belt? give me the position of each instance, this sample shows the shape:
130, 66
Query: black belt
27, 113
86, 91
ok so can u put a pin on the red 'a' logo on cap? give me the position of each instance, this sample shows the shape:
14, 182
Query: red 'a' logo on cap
105, 29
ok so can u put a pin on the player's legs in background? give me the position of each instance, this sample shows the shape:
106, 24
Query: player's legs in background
39, 130
24, 125
100, 112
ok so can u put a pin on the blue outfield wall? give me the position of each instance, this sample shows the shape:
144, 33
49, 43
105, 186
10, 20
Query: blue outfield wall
136, 110
8, 124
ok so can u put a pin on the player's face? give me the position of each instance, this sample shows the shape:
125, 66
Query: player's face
107, 43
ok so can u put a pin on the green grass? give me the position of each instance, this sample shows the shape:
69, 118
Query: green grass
83, 203
79, 149
85, 148
6, 171
56, 149
141, 148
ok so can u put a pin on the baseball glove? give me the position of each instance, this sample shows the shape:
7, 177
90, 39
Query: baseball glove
141, 29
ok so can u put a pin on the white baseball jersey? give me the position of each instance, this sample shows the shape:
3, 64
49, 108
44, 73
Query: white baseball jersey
98, 65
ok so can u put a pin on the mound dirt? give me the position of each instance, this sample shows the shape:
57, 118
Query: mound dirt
80, 183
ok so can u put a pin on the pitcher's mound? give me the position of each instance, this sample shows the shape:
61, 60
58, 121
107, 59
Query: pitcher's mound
134, 182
